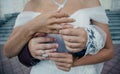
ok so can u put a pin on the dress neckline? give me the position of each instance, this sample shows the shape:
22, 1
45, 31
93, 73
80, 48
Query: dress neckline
79, 10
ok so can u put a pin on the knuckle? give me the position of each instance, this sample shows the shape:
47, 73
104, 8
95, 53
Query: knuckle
70, 45
69, 39
68, 65
48, 46
50, 21
53, 46
44, 46
56, 59
66, 15
43, 39
51, 15
48, 31
79, 40
32, 41
48, 39
70, 61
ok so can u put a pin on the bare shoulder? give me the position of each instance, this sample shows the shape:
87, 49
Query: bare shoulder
92, 3
29, 6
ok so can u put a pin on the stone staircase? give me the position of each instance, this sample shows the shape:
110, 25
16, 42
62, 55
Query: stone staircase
114, 25
6, 26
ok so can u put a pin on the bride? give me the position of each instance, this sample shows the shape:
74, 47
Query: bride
71, 26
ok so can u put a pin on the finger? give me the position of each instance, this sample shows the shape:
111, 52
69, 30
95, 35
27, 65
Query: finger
72, 45
43, 39
61, 20
63, 68
55, 27
74, 50
52, 31
50, 51
40, 52
59, 15
65, 25
47, 46
70, 32
72, 39
39, 34
40, 58
66, 65
57, 55
60, 26
62, 60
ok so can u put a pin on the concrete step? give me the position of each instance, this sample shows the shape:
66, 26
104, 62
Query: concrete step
112, 28
3, 39
115, 27
114, 21
114, 24
116, 42
112, 12
4, 35
6, 28
5, 32
115, 35
116, 38
115, 32
113, 15
114, 18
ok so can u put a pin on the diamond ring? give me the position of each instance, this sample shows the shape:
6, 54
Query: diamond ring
44, 56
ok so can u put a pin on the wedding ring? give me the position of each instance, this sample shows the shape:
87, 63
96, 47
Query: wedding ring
44, 56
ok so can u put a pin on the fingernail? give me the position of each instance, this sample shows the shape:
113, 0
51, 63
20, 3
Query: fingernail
54, 49
56, 45
74, 20
53, 39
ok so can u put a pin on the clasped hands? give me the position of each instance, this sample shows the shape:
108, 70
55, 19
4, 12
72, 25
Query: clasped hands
56, 23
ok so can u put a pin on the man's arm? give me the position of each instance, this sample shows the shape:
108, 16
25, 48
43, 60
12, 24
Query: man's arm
104, 54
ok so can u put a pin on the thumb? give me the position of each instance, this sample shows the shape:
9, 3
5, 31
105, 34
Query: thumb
38, 34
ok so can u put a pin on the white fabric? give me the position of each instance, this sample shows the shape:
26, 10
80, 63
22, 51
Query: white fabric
82, 18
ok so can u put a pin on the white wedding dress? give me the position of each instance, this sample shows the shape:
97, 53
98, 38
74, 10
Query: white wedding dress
82, 18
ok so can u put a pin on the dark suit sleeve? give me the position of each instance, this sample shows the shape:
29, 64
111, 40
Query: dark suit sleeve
25, 57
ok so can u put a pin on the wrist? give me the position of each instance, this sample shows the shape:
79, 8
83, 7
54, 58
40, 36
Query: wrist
76, 62
26, 58
29, 29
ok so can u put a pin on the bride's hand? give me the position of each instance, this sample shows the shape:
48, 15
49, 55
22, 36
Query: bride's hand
75, 39
63, 61
49, 22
